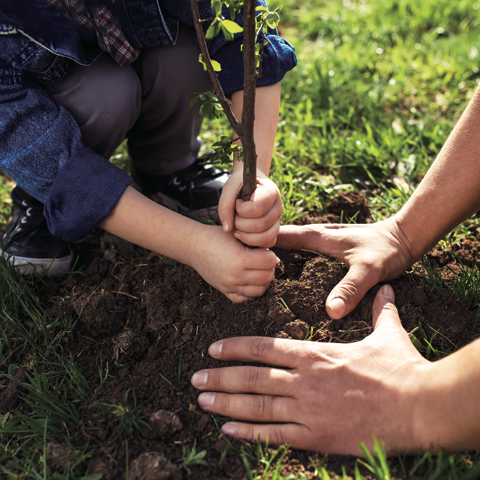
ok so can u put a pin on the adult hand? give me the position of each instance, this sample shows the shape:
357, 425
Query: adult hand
374, 253
257, 221
239, 272
321, 396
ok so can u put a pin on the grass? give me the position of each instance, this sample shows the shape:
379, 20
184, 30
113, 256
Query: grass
379, 86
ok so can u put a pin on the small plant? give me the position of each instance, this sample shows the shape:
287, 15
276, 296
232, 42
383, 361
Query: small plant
191, 458
376, 463
125, 417
269, 463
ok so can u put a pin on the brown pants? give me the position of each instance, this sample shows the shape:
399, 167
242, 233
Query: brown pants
147, 101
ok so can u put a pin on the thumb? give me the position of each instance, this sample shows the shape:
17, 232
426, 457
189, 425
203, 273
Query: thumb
384, 311
226, 207
348, 293
387, 323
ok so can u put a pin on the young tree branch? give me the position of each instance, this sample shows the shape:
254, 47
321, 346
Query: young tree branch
248, 115
245, 129
236, 125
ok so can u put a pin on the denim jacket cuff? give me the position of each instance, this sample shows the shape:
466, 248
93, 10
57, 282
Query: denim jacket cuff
83, 193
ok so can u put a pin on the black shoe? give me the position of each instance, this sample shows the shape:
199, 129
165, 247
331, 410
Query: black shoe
193, 192
28, 243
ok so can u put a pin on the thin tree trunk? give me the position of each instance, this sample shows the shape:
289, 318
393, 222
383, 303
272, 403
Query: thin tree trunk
248, 116
244, 130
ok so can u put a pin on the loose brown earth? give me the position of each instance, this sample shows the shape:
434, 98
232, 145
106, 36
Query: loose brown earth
153, 319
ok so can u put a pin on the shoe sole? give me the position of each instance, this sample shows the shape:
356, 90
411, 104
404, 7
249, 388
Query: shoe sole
170, 203
26, 266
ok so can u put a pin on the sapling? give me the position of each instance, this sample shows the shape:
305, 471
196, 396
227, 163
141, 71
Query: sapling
253, 27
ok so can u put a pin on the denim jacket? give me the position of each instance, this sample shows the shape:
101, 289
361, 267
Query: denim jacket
40, 143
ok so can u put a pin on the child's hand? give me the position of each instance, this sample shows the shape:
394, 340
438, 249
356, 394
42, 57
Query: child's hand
257, 221
239, 272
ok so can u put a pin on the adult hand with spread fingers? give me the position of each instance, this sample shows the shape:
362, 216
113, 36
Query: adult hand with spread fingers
373, 253
448, 195
331, 397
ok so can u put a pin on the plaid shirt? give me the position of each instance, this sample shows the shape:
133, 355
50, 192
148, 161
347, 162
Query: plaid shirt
106, 25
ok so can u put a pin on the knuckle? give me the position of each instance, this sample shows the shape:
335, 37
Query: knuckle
271, 237
391, 308
259, 406
277, 435
270, 276
248, 432
257, 291
349, 290
259, 347
251, 378
223, 402
214, 379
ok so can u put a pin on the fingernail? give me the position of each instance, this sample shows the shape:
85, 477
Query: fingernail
225, 226
388, 293
339, 306
236, 235
230, 430
199, 379
205, 400
215, 349
278, 261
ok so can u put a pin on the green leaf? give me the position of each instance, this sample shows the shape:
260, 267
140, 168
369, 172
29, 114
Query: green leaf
232, 27
217, 7
227, 34
213, 29
216, 66
273, 19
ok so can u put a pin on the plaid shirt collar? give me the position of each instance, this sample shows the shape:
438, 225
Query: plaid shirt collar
106, 25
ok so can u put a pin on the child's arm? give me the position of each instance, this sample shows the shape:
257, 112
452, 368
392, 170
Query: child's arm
258, 220
238, 272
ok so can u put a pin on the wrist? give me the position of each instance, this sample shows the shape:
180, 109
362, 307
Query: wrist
448, 415
410, 239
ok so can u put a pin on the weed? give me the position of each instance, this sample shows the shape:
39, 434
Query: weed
376, 463
191, 458
124, 416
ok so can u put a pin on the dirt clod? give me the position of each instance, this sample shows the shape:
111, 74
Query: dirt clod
162, 423
351, 204
419, 297
296, 329
152, 467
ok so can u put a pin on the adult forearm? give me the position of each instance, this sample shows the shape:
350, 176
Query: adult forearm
448, 410
267, 103
450, 191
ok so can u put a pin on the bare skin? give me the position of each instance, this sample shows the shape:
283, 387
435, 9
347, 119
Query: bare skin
225, 263
257, 221
385, 385
394, 392
447, 196
238, 272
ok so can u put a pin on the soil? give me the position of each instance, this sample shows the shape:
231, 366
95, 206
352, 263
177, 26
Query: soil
152, 320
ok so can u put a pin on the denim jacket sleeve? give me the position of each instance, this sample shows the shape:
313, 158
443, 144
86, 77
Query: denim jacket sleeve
42, 150
278, 57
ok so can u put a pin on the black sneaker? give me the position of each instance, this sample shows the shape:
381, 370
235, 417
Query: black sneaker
28, 243
193, 192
